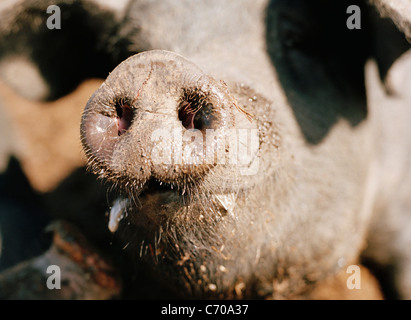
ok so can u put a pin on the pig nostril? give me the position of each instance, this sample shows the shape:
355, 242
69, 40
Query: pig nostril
186, 114
194, 112
124, 117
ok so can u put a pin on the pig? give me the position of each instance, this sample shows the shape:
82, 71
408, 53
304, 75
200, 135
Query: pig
244, 148
250, 144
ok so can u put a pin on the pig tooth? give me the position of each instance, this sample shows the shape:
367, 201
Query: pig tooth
117, 213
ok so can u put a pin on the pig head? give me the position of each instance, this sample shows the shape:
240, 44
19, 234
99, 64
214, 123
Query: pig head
250, 144
297, 208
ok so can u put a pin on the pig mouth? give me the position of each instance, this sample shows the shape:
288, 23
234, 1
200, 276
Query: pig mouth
153, 203
159, 193
159, 202
156, 201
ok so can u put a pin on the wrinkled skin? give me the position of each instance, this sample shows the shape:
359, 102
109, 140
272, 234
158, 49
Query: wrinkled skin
303, 211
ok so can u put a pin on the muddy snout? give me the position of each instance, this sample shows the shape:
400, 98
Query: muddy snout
158, 116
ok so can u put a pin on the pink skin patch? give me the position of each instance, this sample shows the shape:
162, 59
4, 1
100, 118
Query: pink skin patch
124, 118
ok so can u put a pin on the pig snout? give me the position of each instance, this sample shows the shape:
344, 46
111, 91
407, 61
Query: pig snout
158, 117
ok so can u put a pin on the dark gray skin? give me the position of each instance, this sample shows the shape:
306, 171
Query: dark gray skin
207, 230
291, 71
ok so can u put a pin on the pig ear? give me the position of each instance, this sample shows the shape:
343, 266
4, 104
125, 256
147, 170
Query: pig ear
390, 22
47, 47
